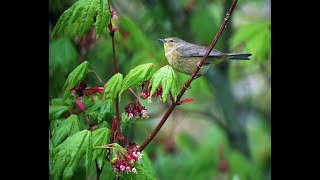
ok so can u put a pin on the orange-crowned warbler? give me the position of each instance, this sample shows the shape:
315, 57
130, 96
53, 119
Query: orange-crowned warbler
184, 56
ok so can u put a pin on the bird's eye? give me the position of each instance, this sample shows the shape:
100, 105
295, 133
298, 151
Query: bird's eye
171, 40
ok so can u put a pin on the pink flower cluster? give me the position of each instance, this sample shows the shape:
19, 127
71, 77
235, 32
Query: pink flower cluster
127, 163
134, 152
146, 91
135, 109
122, 165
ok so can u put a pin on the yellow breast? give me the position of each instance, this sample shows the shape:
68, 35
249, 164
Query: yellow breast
183, 64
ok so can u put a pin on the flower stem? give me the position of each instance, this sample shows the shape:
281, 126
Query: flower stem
96, 76
133, 93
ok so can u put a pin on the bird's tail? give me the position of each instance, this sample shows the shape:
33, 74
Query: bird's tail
239, 56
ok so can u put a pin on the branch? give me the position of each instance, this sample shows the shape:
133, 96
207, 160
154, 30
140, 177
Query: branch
188, 82
117, 119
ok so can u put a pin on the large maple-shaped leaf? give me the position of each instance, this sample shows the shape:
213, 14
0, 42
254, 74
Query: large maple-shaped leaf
67, 128
99, 138
66, 156
83, 14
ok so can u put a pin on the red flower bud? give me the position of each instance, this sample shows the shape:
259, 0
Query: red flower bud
79, 104
129, 158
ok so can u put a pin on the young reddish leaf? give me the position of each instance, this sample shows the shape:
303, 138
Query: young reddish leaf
137, 75
76, 76
113, 86
168, 80
68, 154
66, 128
186, 100
93, 90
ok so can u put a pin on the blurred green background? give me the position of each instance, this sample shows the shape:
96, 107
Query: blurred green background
226, 132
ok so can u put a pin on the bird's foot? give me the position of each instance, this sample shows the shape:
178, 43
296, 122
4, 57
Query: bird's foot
199, 65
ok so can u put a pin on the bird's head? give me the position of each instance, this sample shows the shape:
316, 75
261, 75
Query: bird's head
170, 42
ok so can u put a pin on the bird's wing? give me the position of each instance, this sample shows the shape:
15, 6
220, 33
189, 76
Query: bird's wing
191, 50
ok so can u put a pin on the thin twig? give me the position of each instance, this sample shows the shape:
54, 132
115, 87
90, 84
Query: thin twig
133, 93
96, 76
188, 82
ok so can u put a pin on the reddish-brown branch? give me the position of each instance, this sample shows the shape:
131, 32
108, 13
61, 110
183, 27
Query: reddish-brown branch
117, 119
117, 99
188, 82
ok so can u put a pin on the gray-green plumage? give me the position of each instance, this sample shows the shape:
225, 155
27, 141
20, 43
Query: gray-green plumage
184, 56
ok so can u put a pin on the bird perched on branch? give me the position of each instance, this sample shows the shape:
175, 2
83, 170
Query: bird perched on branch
184, 56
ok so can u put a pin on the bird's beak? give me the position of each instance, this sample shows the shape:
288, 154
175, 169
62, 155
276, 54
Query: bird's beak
162, 40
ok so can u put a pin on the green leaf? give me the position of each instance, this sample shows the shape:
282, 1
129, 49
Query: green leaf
168, 80
102, 17
147, 165
76, 76
107, 172
63, 20
113, 86
117, 150
98, 112
136, 75
51, 156
68, 154
55, 123
100, 137
56, 102
87, 16
56, 111
78, 19
104, 124
125, 124
62, 56
67, 128
142, 174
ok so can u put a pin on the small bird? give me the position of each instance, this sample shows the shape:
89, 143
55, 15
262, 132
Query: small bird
184, 56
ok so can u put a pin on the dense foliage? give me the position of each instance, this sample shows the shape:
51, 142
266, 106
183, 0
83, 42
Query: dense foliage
223, 132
